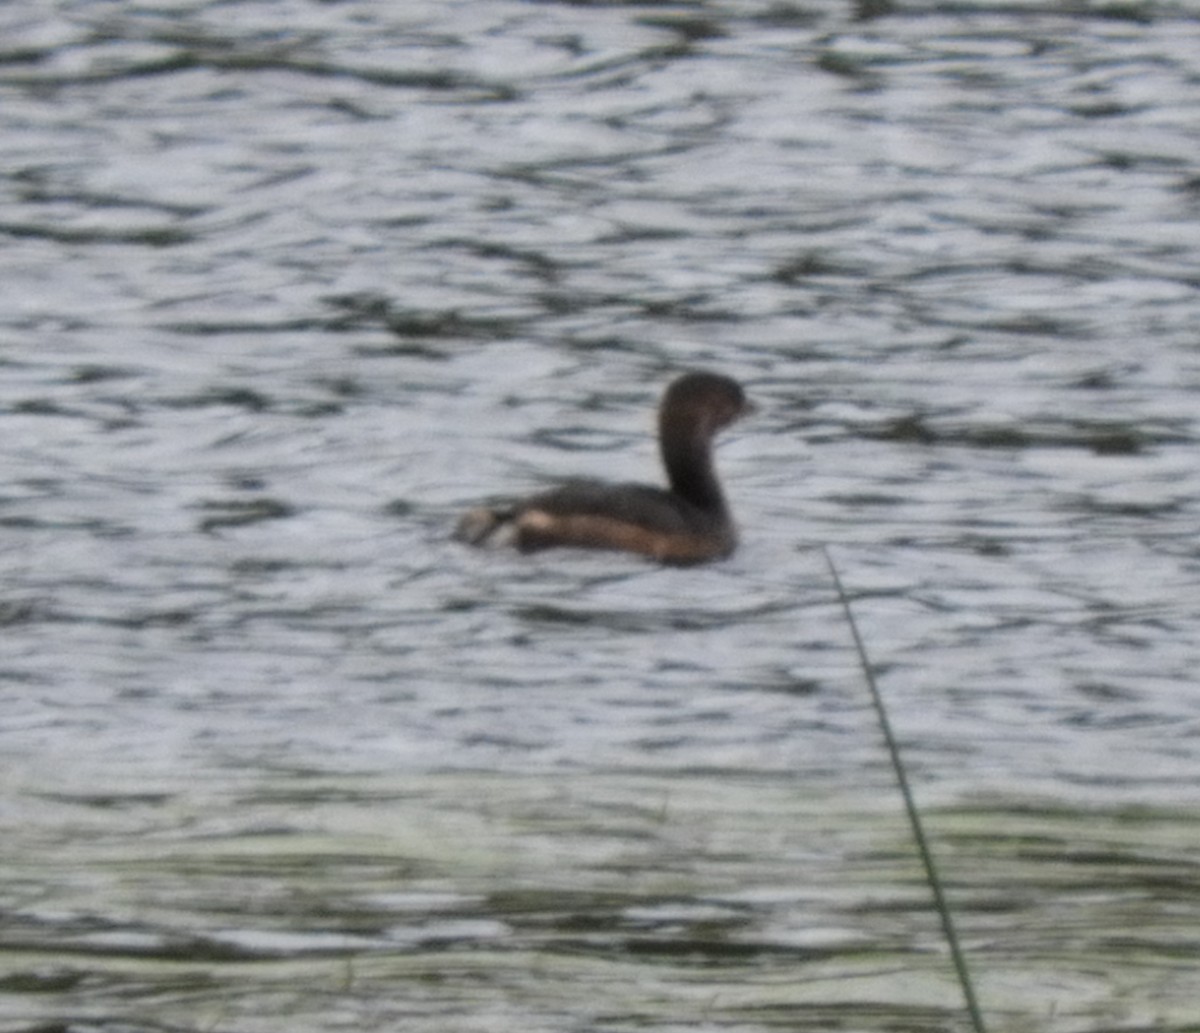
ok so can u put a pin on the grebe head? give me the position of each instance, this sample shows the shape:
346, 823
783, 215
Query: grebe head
701, 402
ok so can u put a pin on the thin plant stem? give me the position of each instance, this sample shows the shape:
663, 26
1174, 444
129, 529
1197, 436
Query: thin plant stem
914, 817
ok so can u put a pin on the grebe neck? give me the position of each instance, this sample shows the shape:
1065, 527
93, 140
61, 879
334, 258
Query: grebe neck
687, 456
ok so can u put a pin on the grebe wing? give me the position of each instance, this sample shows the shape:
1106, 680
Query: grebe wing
639, 504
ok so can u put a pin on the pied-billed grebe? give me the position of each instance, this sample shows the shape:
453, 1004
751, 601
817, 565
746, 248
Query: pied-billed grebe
690, 523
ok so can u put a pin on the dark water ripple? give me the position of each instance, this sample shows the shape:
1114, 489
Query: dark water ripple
285, 286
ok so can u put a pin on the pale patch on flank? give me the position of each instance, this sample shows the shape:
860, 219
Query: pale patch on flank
591, 531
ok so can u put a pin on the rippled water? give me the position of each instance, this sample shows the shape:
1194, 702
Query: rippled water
285, 286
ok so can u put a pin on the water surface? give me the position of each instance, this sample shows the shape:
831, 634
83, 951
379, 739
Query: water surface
284, 287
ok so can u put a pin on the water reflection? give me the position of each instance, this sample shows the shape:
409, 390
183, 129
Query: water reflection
599, 901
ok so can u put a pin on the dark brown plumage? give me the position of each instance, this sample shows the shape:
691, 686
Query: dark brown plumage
687, 523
